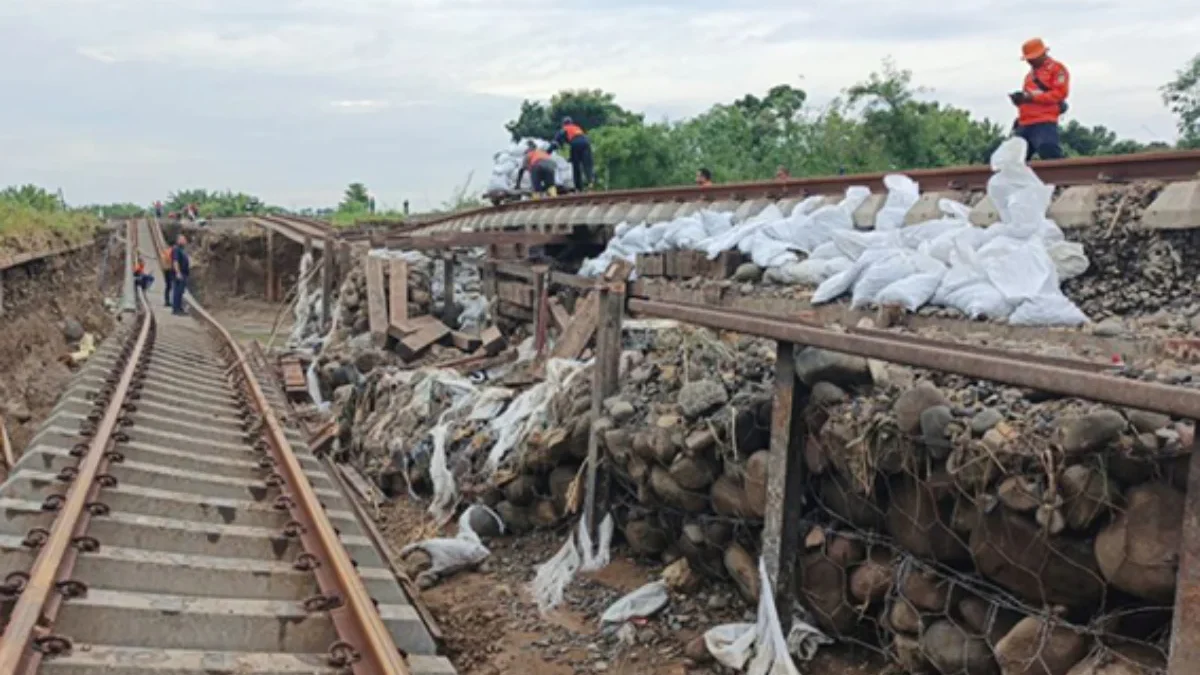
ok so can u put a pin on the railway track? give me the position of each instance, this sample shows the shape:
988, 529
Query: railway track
607, 208
164, 521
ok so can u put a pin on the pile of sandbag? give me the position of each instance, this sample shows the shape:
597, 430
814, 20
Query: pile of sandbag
507, 163
1008, 271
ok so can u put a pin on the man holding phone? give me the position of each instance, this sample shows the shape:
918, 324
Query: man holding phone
1041, 101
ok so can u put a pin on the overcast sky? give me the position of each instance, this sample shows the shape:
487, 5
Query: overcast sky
126, 100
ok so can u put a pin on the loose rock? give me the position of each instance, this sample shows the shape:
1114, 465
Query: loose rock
913, 403
697, 398
1090, 432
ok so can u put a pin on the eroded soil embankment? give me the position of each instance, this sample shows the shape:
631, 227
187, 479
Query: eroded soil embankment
48, 306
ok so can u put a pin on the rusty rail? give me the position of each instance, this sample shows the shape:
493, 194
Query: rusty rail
298, 229
1171, 165
371, 650
1058, 376
26, 636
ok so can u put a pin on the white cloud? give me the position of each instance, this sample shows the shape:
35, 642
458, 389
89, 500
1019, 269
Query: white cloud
270, 82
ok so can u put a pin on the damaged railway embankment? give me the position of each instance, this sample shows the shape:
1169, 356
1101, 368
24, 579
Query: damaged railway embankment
53, 311
954, 525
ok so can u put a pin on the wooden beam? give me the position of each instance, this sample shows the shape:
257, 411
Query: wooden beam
540, 319
398, 292
448, 286
465, 342
785, 484
562, 318
270, 281
376, 306
327, 273
412, 346
605, 382
492, 340
474, 239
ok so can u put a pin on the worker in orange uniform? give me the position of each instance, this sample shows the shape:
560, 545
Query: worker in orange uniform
168, 265
1041, 101
542, 170
576, 140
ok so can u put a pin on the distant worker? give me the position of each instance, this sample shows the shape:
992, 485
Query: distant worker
168, 265
703, 177
542, 171
1041, 101
158, 210
181, 264
406, 207
140, 278
782, 173
576, 140
371, 204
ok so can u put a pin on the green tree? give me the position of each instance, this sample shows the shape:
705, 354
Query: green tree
1182, 96
636, 155
221, 204
356, 198
1078, 139
591, 109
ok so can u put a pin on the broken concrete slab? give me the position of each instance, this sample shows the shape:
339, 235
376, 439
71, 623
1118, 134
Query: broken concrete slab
749, 209
984, 213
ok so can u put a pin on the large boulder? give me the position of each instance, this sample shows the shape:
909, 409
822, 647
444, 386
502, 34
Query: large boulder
1036, 647
1014, 552
1139, 552
953, 651
921, 523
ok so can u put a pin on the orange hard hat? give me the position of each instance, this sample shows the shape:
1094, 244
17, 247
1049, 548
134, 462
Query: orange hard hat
1033, 49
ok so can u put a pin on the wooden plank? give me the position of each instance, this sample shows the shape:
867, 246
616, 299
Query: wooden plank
513, 270
398, 292
491, 340
327, 275
562, 318
465, 342
270, 280
571, 280
448, 287
412, 346
376, 304
605, 383
785, 484
651, 265
481, 361
6, 443
414, 324
516, 292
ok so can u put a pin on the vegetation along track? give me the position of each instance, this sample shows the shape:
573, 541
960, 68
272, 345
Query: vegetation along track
164, 521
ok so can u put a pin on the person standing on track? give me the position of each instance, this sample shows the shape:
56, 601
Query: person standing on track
542, 170
168, 266
573, 136
703, 177
1041, 101
181, 265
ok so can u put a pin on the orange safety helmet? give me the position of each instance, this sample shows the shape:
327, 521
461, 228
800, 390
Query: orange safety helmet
1033, 49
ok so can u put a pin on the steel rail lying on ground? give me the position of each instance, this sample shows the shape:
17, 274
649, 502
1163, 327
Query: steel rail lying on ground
1058, 377
352, 611
19, 645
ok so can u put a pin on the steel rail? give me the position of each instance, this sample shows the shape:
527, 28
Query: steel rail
357, 621
1014, 368
297, 229
1174, 165
36, 601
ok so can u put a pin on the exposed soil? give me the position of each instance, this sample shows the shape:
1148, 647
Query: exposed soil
45, 302
491, 624
229, 261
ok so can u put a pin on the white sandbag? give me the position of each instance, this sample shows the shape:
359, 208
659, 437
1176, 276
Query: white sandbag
464, 551
819, 227
840, 283
978, 300
767, 252
645, 601
852, 243
807, 272
912, 292
1069, 259
1020, 270
902, 193
902, 264
716, 222
1048, 310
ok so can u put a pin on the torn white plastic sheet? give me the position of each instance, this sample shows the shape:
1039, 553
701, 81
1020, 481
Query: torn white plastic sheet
762, 645
555, 575
530, 410
902, 193
645, 601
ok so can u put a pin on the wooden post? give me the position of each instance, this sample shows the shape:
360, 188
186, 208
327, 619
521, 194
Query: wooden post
237, 272
327, 272
343, 261
785, 484
1, 292
270, 265
398, 293
605, 380
448, 284
376, 307
1185, 635
541, 287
